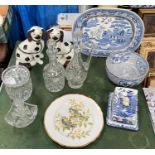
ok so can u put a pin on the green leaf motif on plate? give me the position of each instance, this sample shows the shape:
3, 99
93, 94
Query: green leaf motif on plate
77, 123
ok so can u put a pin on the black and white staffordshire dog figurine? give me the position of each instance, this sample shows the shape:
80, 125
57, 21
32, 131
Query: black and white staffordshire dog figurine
64, 48
29, 51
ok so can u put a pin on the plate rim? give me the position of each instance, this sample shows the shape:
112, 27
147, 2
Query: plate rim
134, 34
80, 146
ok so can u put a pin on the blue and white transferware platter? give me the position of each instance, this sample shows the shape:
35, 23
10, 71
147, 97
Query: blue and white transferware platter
108, 30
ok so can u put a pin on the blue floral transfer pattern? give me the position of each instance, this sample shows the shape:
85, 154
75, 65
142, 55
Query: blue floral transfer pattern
132, 65
108, 30
142, 67
108, 33
118, 58
125, 125
122, 112
129, 83
122, 82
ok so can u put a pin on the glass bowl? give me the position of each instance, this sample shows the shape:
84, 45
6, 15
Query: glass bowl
126, 69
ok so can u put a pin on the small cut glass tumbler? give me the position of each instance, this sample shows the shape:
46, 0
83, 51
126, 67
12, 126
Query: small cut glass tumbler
18, 86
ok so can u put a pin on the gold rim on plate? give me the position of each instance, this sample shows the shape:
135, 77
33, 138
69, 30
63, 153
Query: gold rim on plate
63, 145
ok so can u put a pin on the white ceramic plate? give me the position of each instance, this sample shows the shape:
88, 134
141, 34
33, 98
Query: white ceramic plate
73, 120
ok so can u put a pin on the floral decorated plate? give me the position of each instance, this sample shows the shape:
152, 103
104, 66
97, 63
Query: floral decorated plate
73, 120
108, 30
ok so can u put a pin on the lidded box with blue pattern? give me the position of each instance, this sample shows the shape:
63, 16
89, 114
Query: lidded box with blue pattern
124, 105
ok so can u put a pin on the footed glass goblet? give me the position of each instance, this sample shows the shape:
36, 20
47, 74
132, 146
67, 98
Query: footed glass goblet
18, 86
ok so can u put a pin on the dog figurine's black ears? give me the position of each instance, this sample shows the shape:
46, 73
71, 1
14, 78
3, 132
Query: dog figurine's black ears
62, 36
48, 33
44, 34
32, 29
29, 35
52, 29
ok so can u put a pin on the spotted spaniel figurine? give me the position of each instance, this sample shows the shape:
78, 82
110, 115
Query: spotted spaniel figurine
64, 48
29, 51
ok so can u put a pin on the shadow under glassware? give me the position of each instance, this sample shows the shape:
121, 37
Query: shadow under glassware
18, 86
77, 69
